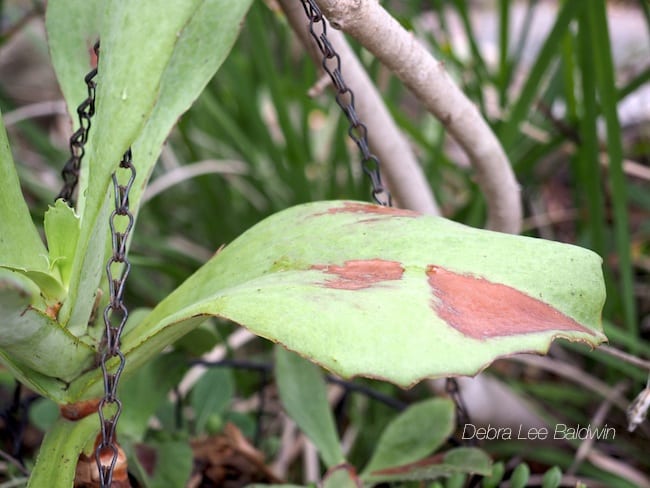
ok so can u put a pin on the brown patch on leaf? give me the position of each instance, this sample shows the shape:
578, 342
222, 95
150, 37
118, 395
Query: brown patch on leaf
228, 460
78, 410
52, 311
482, 309
360, 274
94, 58
369, 208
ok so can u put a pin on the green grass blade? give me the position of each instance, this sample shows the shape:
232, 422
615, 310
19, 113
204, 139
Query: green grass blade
588, 167
504, 62
606, 84
509, 132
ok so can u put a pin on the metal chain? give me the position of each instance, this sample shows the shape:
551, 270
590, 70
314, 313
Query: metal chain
116, 314
358, 131
110, 407
359, 134
85, 111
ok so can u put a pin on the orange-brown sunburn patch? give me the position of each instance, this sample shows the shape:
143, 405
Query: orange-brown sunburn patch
52, 311
482, 309
360, 274
369, 208
79, 410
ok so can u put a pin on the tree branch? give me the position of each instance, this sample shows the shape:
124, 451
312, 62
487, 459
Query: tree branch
381, 34
403, 174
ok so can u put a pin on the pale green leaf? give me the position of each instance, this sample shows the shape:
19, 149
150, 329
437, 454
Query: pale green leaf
390, 294
414, 434
303, 393
285, 279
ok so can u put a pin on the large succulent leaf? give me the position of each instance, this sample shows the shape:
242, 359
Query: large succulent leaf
154, 62
386, 293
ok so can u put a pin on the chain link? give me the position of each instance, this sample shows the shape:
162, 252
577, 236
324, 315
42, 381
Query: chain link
85, 111
357, 131
116, 315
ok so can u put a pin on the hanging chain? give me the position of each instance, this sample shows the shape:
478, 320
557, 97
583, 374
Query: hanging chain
359, 134
85, 111
121, 222
115, 316
358, 131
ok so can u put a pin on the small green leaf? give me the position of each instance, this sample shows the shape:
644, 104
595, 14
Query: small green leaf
469, 460
412, 435
62, 231
304, 396
552, 478
211, 395
520, 475
492, 481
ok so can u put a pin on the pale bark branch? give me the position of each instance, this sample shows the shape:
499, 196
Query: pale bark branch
400, 51
403, 175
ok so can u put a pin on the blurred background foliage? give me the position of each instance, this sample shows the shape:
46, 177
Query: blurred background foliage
568, 97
